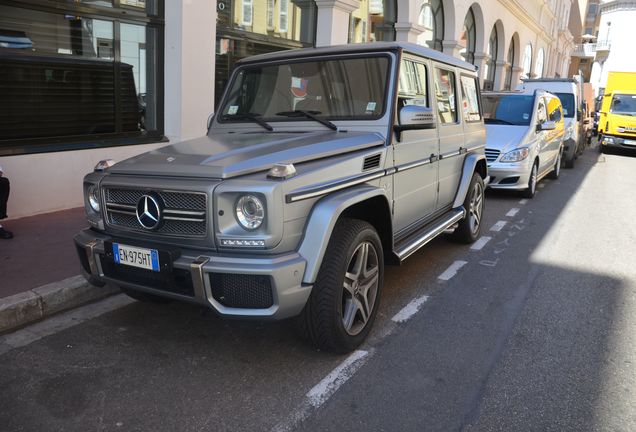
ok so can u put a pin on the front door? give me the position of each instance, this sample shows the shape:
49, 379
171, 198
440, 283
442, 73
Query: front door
415, 154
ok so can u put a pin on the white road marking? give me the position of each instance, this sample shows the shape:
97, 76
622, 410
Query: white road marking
512, 212
523, 201
322, 391
498, 226
410, 309
452, 270
479, 244
61, 322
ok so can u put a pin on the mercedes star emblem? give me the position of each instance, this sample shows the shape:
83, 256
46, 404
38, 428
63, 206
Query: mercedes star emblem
148, 212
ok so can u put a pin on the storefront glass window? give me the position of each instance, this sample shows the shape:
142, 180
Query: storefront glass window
373, 21
67, 78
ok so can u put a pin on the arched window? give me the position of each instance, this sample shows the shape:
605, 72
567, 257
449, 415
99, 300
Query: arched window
426, 17
511, 64
432, 19
491, 64
538, 67
468, 37
527, 61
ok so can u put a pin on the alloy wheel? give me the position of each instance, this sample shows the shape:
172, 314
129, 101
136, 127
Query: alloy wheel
476, 207
360, 288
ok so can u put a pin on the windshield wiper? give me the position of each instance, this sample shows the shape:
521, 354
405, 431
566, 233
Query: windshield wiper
256, 118
500, 121
309, 115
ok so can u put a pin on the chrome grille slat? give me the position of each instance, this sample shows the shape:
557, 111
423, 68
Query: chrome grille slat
492, 154
185, 212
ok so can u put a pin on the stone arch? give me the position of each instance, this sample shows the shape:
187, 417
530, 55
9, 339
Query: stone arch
513, 62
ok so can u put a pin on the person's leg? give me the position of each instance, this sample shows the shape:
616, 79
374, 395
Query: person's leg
4, 198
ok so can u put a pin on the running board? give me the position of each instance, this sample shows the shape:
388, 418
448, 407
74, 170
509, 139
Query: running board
412, 243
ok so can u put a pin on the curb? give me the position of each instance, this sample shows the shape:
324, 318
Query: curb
24, 308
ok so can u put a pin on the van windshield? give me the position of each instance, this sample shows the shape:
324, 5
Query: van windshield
513, 109
624, 104
567, 100
339, 89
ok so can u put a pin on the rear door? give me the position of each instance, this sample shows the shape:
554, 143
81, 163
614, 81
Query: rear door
415, 182
451, 134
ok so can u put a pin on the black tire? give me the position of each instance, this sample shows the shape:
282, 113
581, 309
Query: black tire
569, 162
469, 228
145, 297
532, 182
556, 171
322, 321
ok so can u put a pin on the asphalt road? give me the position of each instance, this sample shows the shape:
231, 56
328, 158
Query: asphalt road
534, 331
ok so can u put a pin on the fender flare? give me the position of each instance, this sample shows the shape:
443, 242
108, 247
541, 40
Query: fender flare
322, 220
470, 164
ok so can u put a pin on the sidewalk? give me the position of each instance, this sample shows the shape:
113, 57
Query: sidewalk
39, 269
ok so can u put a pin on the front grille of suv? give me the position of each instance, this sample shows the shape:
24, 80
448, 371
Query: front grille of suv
492, 155
184, 213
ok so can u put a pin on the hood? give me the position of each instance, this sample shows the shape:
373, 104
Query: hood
231, 155
505, 137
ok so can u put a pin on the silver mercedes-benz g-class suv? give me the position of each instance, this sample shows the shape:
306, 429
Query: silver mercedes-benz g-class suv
320, 166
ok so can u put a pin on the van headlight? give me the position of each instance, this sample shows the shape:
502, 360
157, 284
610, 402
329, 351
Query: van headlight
250, 212
93, 198
515, 155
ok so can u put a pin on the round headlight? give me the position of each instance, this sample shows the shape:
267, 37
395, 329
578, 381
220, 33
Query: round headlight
93, 198
250, 212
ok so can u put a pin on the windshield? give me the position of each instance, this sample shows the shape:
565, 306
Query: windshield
343, 89
508, 109
624, 104
567, 101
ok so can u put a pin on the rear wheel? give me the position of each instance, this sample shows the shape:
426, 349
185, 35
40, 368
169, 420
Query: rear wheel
469, 227
344, 300
532, 182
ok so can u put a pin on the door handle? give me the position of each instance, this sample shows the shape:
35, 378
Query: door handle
433, 158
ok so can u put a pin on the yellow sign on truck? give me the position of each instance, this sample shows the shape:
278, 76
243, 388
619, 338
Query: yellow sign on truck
617, 122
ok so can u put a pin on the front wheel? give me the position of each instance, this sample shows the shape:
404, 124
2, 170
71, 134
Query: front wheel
345, 298
556, 171
469, 227
529, 191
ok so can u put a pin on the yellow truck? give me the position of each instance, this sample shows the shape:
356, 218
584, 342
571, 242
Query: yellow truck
617, 122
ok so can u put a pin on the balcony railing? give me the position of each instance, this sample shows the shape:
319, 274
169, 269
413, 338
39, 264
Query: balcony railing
590, 49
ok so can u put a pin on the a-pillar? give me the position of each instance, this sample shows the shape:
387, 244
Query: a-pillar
500, 74
307, 20
333, 21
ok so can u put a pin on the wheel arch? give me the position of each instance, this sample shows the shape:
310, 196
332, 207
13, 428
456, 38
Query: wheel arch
473, 162
356, 202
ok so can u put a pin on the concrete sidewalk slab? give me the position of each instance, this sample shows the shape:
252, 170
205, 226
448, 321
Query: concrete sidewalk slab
24, 308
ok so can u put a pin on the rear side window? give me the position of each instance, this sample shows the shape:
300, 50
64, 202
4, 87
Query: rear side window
445, 96
470, 100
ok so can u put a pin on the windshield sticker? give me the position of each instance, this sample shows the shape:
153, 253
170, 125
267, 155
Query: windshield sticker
371, 106
526, 116
299, 87
233, 109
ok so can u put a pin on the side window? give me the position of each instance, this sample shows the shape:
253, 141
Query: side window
445, 95
554, 110
413, 84
470, 100
541, 112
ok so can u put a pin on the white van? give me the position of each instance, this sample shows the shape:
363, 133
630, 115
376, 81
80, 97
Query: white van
567, 89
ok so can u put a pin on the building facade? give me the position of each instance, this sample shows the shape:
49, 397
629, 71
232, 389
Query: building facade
135, 74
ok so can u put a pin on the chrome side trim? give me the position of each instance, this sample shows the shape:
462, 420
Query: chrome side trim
428, 235
451, 154
198, 283
412, 165
332, 187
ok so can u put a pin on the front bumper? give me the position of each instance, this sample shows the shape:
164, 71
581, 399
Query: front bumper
510, 175
615, 141
234, 286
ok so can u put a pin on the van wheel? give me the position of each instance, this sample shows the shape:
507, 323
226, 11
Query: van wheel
345, 298
556, 171
532, 182
145, 297
569, 161
469, 227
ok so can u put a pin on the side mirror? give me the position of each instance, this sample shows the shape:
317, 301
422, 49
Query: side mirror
411, 117
546, 126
